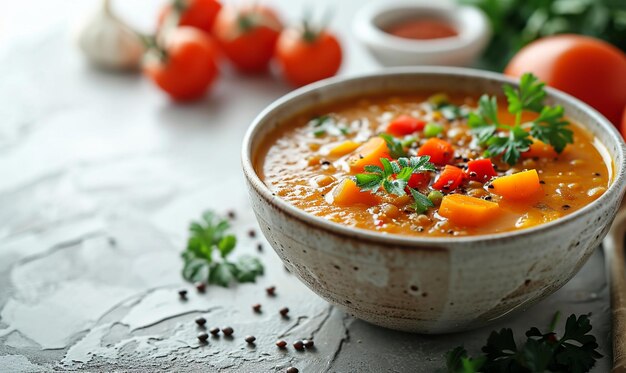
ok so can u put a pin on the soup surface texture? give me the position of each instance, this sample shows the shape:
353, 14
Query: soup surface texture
317, 161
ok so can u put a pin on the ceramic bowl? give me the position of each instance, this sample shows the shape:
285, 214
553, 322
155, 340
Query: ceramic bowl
462, 50
429, 284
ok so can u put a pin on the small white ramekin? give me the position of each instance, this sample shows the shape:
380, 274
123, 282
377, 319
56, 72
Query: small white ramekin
462, 50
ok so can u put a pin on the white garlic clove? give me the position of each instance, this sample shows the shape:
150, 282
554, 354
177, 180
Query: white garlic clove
108, 42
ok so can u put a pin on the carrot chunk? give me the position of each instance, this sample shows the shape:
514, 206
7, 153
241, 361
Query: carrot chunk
344, 148
368, 153
440, 152
468, 211
521, 185
405, 125
539, 149
450, 179
348, 193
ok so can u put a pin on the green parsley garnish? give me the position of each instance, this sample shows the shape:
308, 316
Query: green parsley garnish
575, 351
510, 141
210, 236
394, 177
395, 146
327, 125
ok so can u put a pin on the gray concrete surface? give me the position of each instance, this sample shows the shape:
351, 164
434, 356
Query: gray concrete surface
100, 175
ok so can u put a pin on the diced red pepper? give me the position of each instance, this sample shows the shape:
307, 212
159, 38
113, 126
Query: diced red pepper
450, 178
480, 170
440, 152
405, 125
418, 181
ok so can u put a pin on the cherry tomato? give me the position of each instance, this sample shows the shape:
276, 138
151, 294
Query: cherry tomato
449, 179
440, 151
589, 69
306, 56
480, 170
185, 68
195, 13
405, 125
248, 36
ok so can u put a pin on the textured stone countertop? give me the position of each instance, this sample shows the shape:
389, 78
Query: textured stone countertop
99, 177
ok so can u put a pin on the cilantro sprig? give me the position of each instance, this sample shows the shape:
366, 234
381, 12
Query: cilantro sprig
576, 351
208, 246
393, 177
510, 141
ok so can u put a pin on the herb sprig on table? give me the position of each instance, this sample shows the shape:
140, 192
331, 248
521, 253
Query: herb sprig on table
208, 247
576, 351
510, 141
394, 177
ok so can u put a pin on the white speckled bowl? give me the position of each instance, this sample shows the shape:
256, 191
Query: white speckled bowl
429, 285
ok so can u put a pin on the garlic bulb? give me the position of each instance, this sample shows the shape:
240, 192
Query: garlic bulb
108, 42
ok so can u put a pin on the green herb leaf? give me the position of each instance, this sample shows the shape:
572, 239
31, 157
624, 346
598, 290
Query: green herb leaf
421, 203
484, 122
396, 149
550, 128
529, 96
207, 236
509, 146
327, 125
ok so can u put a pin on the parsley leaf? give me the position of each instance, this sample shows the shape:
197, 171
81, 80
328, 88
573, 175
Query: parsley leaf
395, 146
576, 351
550, 128
327, 125
206, 237
510, 141
421, 203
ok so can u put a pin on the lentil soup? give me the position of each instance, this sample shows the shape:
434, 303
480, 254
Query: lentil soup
346, 163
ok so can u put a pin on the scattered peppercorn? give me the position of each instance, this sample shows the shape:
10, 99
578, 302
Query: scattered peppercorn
298, 345
256, 308
231, 214
281, 343
202, 337
201, 287
284, 311
250, 339
490, 186
214, 331
259, 248
200, 321
227, 331
182, 294
541, 182
566, 207
251, 233
596, 174
473, 174
271, 291
325, 163
292, 370
308, 343
487, 198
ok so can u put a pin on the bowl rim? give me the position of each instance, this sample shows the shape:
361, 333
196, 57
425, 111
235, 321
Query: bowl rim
617, 185
470, 22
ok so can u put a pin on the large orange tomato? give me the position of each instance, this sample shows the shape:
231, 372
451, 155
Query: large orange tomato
184, 67
306, 56
587, 68
248, 36
195, 13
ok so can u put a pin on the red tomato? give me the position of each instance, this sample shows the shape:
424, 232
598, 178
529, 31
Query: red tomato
405, 125
305, 56
419, 180
248, 36
195, 13
589, 69
440, 151
480, 170
186, 67
449, 179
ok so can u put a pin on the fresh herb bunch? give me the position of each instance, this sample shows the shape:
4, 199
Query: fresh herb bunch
516, 23
210, 236
394, 177
327, 125
395, 146
549, 126
576, 351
